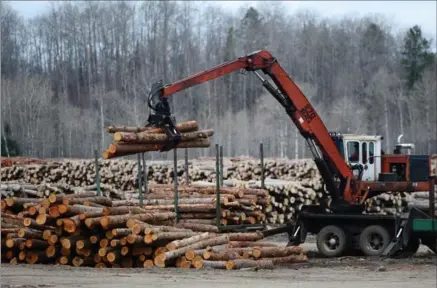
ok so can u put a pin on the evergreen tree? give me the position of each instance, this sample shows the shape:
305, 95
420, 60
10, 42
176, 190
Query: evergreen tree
416, 55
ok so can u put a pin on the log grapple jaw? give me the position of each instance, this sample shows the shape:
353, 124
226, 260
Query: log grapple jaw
160, 116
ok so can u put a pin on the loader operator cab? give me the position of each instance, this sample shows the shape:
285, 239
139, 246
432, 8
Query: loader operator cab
363, 151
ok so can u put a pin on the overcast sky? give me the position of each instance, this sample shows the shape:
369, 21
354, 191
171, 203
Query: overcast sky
402, 14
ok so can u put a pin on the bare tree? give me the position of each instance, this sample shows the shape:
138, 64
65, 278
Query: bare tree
73, 70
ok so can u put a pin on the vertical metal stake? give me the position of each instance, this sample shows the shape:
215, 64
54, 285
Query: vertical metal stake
217, 186
140, 185
187, 177
175, 180
96, 163
221, 166
261, 153
145, 174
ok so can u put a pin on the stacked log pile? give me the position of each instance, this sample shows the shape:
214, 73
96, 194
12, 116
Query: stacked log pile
122, 174
133, 140
197, 203
247, 169
28, 190
287, 197
88, 230
244, 169
73, 172
300, 182
394, 203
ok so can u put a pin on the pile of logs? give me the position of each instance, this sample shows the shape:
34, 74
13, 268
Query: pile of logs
394, 203
290, 183
28, 190
87, 230
122, 174
286, 197
133, 140
197, 203
248, 169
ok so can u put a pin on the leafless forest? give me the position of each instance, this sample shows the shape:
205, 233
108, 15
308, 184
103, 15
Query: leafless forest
81, 66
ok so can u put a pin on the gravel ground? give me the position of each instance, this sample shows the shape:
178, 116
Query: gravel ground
357, 272
420, 272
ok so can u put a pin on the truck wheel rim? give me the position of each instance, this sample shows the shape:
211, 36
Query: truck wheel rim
331, 241
375, 241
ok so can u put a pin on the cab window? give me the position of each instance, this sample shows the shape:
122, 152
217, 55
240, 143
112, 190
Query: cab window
364, 152
353, 150
371, 152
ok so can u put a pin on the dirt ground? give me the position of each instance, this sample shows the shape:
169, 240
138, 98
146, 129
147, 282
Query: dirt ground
356, 272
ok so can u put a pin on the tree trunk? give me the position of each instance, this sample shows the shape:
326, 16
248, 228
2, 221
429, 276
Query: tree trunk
272, 252
182, 208
197, 216
30, 233
188, 241
214, 264
19, 202
159, 229
289, 259
36, 244
386, 116
198, 227
71, 224
188, 126
254, 236
121, 210
121, 232
148, 138
117, 150
174, 235
96, 200
107, 221
223, 255
198, 221
242, 244
248, 263
161, 259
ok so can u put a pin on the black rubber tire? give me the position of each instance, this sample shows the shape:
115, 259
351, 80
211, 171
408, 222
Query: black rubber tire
340, 237
412, 246
366, 245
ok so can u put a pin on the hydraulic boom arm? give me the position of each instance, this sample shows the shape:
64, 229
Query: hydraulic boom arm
326, 154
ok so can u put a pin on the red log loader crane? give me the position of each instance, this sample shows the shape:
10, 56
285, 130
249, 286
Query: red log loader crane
350, 179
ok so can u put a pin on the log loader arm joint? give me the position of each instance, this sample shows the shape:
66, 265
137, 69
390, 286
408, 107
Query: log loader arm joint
345, 192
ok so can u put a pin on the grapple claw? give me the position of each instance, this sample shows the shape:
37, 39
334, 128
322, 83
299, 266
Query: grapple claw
160, 116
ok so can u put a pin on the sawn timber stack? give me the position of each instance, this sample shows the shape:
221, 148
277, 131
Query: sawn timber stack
88, 230
133, 140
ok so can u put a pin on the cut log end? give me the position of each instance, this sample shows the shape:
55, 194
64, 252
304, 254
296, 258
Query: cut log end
148, 263
230, 265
